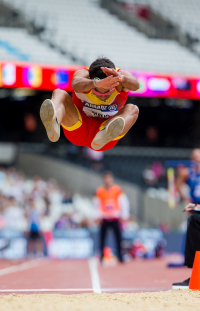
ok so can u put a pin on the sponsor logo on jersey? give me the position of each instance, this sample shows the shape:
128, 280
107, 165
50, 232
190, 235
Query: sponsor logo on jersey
101, 107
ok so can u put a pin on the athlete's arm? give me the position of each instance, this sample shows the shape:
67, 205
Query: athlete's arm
180, 180
81, 82
128, 81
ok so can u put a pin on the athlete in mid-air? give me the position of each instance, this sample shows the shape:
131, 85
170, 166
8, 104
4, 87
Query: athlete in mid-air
96, 116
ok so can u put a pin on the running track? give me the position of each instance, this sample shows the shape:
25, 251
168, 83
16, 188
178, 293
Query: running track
86, 276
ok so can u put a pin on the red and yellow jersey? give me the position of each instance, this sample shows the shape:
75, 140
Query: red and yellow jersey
109, 201
94, 107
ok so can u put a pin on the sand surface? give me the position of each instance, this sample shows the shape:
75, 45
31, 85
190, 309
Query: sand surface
173, 300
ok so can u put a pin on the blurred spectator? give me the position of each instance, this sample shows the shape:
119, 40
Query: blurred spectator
153, 173
47, 207
67, 196
35, 206
65, 222
34, 236
132, 224
191, 177
138, 249
2, 175
13, 214
45, 204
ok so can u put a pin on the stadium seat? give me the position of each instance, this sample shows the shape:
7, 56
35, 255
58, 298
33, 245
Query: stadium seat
69, 25
182, 13
17, 44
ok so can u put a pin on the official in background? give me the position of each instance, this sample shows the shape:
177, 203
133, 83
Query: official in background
191, 177
192, 240
112, 208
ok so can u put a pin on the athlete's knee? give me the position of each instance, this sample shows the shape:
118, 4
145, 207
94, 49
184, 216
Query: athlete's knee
132, 110
59, 92
61, 95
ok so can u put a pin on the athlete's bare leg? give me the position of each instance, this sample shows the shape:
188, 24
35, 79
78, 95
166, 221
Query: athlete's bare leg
66, 112
116, 126
59, 110
129, 113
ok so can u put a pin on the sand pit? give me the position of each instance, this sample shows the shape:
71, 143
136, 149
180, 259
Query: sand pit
173, 300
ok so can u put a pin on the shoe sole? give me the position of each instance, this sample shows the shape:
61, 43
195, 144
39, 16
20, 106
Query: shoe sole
47, 116
180, 287
113, 130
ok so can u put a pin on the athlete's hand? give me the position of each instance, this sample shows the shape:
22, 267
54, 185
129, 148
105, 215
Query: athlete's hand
108, 82
112, 72
188, 207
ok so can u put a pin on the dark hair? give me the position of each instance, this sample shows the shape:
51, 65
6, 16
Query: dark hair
95, 67
108, 173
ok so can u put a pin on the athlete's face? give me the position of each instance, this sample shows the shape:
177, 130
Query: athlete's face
108, 180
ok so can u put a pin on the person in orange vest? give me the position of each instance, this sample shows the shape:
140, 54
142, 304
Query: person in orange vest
112, 207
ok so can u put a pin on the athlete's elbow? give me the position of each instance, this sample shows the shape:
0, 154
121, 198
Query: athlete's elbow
136, 86
75, 86
77, 89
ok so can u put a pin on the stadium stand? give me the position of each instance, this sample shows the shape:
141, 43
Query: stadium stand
54, 203
182, 13
16, 44
70, 26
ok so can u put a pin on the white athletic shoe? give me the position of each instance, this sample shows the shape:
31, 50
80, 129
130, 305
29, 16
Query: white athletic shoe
109, 133
49, 119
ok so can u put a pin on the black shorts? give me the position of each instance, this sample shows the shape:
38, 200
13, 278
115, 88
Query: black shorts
34, 236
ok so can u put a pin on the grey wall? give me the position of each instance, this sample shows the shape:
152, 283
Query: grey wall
156, 211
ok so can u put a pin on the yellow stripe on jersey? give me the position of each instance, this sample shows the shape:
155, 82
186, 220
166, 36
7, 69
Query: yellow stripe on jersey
96, 101
76, 125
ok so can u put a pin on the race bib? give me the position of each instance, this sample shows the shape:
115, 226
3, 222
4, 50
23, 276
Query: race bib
109, 207
99, 111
